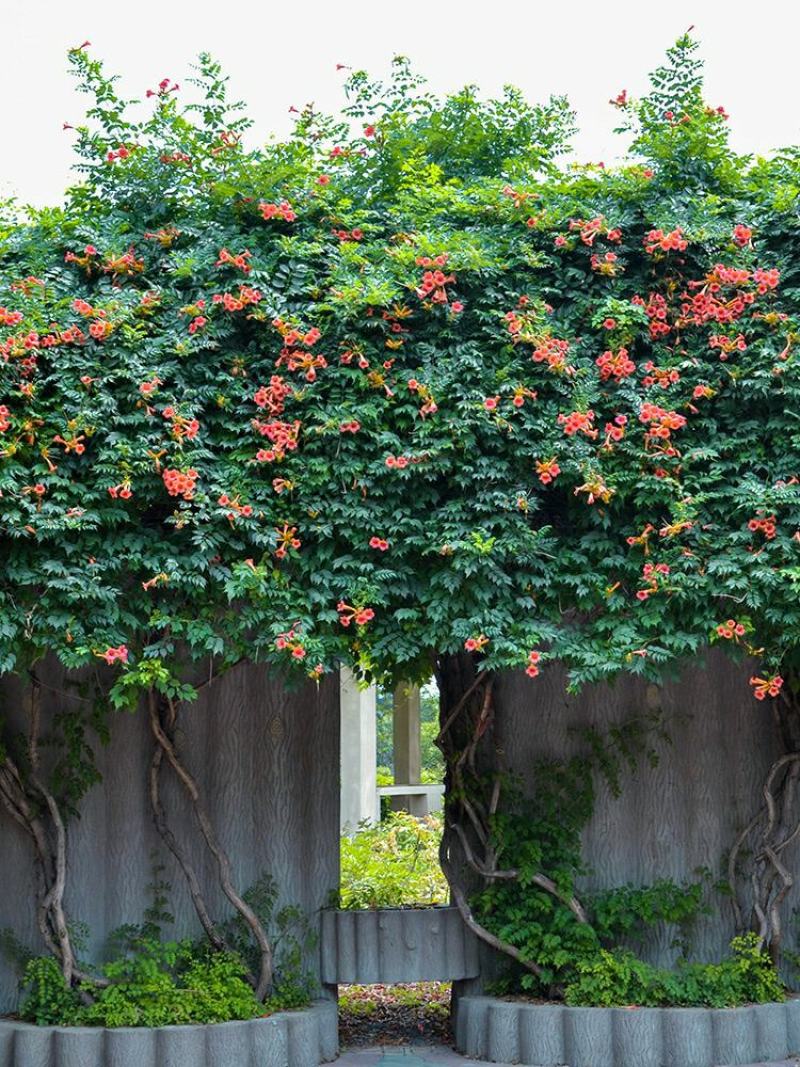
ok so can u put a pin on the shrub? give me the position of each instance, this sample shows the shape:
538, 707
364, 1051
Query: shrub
161, 984
581, 957
617, 978
393, 864
293, 939
47, 1001
154, 982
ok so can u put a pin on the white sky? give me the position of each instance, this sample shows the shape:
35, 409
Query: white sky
285, 53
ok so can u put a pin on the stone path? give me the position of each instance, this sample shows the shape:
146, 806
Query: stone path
408, 1057
441, 1057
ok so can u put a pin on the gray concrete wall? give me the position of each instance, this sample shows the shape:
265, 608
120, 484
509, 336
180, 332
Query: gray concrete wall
268, 763
670, 819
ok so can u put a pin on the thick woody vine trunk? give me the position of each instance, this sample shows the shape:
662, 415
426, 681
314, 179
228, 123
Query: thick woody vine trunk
759, 875
169, 839
34, 807
163, 721
473, 787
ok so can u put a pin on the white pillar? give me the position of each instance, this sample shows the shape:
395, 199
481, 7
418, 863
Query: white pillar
407, 749
359, 742
406, 732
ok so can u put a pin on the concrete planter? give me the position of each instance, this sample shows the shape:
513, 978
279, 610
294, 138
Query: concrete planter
397, 945
288, 1039
549, 1035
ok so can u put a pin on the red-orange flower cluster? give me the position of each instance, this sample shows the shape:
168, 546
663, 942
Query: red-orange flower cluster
615, 365
657, 240
764, 687
767, 526
282, 210
532, 669
578, 422
348, 614
180, 483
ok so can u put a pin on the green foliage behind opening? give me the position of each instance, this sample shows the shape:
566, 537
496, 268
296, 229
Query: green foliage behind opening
394, 864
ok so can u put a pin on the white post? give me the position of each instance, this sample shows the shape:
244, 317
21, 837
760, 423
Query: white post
406, 732
359, 741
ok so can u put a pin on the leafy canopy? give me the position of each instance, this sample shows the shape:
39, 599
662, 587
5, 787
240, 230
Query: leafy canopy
398, 385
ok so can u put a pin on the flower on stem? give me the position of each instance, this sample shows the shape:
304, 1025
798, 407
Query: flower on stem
114, 655
578, 422
548, 470
731, 630
283, 210
652, 574
476, 644
658, 241
291, 642
607, 264
767, 526
533, 669
615, 431
595, 489
616, 366
180, 483
239, 261
764, 687
287, 538
642, 538
349, 614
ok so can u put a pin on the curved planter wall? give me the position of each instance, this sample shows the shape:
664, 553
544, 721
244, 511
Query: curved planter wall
548, 1035
397, 945
287, 1039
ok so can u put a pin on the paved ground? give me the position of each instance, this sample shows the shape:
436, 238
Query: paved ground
408, 1057
439, 1057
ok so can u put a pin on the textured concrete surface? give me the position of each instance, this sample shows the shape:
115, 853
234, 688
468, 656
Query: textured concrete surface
670, 819
552, 1035
438, 1057
267, 763
287, 1039
397, 945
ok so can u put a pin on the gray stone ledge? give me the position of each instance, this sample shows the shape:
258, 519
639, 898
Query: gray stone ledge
397, 945
303, 1038
554, 1035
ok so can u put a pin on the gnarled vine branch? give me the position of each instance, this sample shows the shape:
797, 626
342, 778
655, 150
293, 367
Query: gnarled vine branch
473, 797
34, 807
169, 839
163, 721
759, 879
